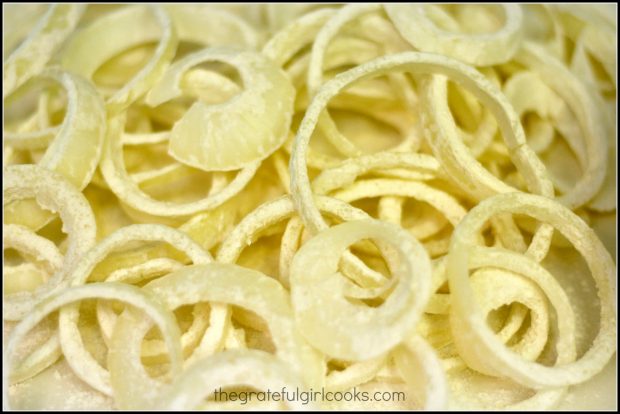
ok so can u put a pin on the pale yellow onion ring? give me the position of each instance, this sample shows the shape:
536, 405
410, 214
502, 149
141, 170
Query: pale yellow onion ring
253, 368
369, 188
33, 54
521, 265
425, 63
454, 156
494, 288
114, 291
496, 356
55, 193
415, 355
443, 202
354, 332
277, 16
291, 39
582, 106
76, 147
26, 241
355, 374
123, 29
80, 360
80, 137
413, 23
550, 37
390, 209
212, 27
566, 345
228, 136
106, 317
23, 19
314, 79
417, 166
527, 92
324, 36
218, 282
271, 213
465, 170
116, 176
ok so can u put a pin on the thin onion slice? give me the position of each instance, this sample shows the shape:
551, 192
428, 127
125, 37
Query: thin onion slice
481, 343
251, 368
233, 134
416, 26
116, 176
122, 30
76, 146
32, 55
113, 291
223, 283
78, 357
352, 331
55, 193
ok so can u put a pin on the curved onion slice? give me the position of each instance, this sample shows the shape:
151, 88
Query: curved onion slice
416, 26
271, 213
352, 331
212, 27
233, 134
294, 37
416, 356
453, 155
223, 283
80, 360
54, 193
251, 368
76, 147
116, 176
583, 108
33, 54
481, 348
122, 30
114, 291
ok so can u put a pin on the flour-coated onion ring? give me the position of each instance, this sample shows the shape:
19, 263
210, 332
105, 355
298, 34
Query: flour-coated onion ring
116, 291
55, 193
123, 29
414, 24
80, 360
116, 176
496, 356
355, 332
249, 368
36, 50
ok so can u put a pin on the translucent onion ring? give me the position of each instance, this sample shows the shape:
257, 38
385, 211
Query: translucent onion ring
116, 176
356, 332
496, 356
233, 134
415, 62
86, 52
113, 291
36, 50
53, 192
413, 22
76, 147
253, 368
271, 213
416, 356
223, 283
80, 360
211, 27
566, 85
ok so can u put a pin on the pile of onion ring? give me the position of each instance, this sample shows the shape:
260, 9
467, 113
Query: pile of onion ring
417, 202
